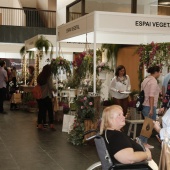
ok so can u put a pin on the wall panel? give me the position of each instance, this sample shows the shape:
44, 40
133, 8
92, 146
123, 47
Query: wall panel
128, 58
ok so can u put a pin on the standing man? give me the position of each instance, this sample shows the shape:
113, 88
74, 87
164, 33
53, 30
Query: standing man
3, 80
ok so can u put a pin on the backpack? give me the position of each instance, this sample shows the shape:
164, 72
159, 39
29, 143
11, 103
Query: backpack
37, 92
140, 100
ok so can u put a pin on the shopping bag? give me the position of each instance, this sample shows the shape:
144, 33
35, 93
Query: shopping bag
147, 127
37, 92
68, 121
56, 106
16, 98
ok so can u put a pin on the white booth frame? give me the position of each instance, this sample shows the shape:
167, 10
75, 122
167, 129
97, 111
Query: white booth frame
115, 28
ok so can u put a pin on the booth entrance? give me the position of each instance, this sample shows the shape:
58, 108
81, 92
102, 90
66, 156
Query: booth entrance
115, 28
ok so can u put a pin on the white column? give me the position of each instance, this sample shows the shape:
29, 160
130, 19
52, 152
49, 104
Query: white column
94, 56
56, 32
151, 7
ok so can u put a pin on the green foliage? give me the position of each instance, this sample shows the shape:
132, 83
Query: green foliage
23, 51
60, 63
153, 54
43, 43
72, 82
84, 110
76, 135
28, 97
85, 107
102, 67
98, 85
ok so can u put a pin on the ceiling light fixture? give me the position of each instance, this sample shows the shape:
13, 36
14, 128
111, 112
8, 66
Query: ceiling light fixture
164, 2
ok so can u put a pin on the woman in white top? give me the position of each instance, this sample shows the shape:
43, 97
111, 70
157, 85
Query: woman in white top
119, 84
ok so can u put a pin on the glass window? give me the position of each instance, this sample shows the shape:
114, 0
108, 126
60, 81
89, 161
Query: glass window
153, 7
75, 11
108, 5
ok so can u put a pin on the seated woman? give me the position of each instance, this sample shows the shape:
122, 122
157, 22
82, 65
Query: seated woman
119, 144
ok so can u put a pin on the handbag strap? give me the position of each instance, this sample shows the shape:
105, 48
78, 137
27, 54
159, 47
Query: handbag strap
144, 88
146, 84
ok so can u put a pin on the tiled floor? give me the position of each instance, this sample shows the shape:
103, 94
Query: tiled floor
23, 147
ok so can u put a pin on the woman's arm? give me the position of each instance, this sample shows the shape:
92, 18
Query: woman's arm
151, 104
113, 85
132, 156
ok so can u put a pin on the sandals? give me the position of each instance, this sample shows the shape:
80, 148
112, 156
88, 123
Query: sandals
52, 127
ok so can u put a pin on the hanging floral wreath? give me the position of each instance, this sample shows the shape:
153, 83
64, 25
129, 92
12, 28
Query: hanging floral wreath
153, 54
60, 63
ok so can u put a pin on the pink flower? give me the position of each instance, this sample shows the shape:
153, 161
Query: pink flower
82, 107
90, 103
85, 98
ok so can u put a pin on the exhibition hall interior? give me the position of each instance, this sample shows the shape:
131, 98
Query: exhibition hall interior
84, 84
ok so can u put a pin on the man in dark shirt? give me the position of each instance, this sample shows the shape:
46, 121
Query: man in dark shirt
3, 80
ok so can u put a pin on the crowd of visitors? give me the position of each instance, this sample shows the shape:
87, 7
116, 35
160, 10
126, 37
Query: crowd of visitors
113, 117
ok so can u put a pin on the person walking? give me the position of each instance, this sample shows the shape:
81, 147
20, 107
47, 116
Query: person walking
13, 88
3, 80
30, 80
119, 88
151, 90
45, 103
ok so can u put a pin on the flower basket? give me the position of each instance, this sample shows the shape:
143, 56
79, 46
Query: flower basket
59, 64
88, 125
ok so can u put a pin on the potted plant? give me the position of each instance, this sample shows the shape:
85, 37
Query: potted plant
84, 117
60, 64
41, 44
101, 69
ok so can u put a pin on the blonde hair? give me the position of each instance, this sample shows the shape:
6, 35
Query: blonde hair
106, 112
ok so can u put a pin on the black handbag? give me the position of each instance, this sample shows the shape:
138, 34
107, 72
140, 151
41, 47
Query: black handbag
140, 99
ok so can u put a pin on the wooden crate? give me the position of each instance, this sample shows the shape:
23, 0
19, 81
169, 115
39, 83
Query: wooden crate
88, 126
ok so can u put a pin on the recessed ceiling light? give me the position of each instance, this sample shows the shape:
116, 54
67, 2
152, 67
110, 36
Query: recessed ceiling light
164, 3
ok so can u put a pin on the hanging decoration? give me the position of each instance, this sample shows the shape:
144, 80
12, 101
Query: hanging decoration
42, 44
59, 64
153, 54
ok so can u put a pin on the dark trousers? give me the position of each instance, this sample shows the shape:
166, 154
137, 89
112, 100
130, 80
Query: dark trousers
45, 105
2, 98
123, 103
